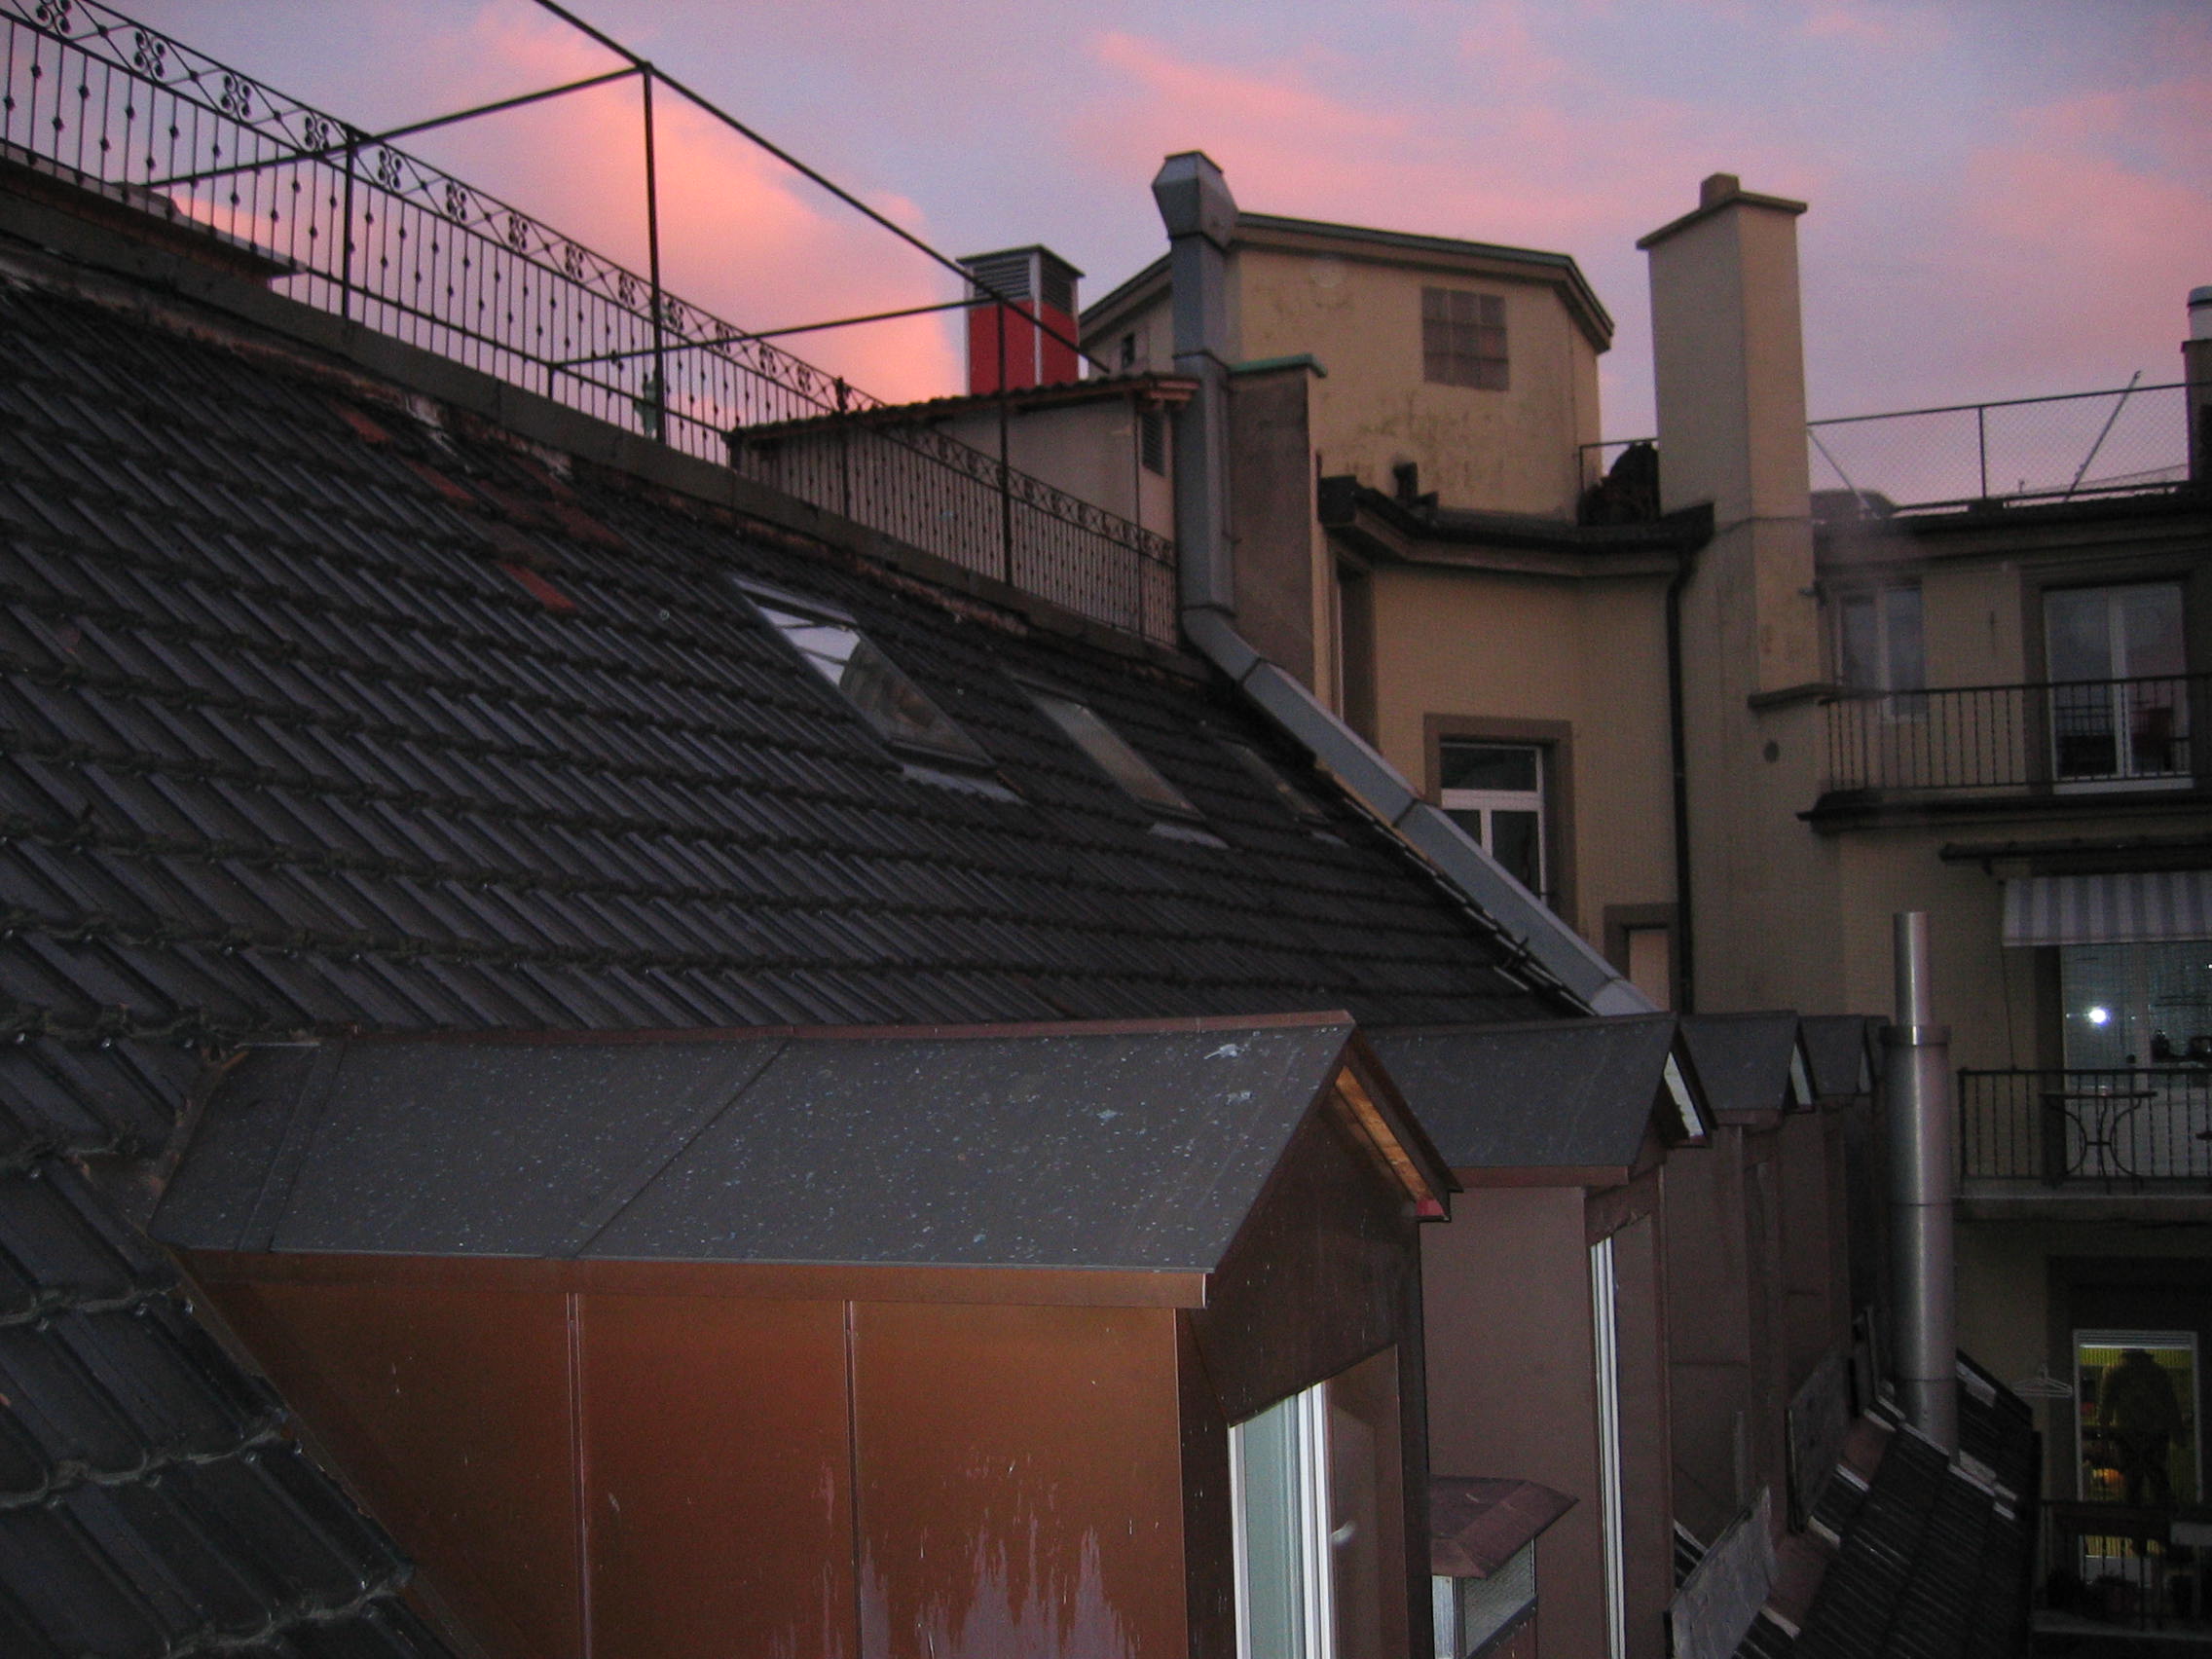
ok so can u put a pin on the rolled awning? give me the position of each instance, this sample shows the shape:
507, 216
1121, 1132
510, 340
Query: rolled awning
2123, 908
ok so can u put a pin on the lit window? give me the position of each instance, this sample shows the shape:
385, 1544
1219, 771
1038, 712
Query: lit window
1463, 338
899, 710
1113, 753
1496, 792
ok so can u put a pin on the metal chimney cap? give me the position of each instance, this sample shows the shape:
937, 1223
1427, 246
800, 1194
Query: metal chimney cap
2201, 314
1194, 199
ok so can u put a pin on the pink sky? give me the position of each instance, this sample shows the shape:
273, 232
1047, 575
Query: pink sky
2008, 198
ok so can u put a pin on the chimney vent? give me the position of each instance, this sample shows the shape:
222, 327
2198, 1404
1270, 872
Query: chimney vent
1037, 285
2201, 314
1718, 188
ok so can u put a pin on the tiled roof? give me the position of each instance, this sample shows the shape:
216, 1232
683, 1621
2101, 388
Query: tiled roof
1932, 1559
321, 715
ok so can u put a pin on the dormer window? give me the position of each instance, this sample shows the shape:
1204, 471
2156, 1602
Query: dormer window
1112, 751
900, 711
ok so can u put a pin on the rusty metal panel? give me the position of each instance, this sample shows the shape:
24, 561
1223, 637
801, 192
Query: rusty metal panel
1320, 1278
715, 1477
1209, 1559
1020, 1485
449, 1410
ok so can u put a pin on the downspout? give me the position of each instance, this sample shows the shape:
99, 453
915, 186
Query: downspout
1686, 936
1916, 1076
1201, 216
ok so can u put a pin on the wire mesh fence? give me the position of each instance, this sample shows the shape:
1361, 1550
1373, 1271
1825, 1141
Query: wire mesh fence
2083, 444
353, 225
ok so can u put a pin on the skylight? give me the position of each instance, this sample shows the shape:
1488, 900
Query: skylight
899, 710
1113, 753
1300, 803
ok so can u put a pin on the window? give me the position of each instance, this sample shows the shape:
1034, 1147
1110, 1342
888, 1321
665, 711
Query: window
1128, 353
2119, 698
898, 709
1605, 1309
1495, 791
1301, 804
1881, 646
1463, 338
1152, 441
2145, 1004
1316, 1505
2136, 1419
1113, 753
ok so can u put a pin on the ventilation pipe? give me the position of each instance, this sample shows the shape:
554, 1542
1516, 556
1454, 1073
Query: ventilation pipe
1201, 216
1917, 1082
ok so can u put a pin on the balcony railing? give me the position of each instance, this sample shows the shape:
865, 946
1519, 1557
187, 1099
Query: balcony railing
2115, 1564
362, 229
2083, 735
2115, 1131
2027, 450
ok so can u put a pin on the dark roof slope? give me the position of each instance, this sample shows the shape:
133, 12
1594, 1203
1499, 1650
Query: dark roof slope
1140, 1151
320, 716
1748, 1062
290, 743
1841, 1052
149, 1503
1555, 1093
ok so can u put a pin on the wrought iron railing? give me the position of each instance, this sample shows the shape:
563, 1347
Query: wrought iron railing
2111, 1130
2118, 1564
2083, 734
365, 230
2032, 448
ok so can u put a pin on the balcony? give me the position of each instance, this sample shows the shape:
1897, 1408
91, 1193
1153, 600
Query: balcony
2080, 737
348, 223
2136, 1129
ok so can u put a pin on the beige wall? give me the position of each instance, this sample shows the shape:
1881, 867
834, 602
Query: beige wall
1590, 653
1089, 450
1511, 451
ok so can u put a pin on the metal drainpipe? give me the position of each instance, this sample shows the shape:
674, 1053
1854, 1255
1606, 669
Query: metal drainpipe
1686, 952
1916, 1076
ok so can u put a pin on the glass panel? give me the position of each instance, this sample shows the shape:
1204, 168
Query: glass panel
1488, 766
1113, 753
1862, 643
2136, 1394
2078, 634
893, 704
1517, 841
2146, 629
1270, 1489
2127, 1005
1908, 663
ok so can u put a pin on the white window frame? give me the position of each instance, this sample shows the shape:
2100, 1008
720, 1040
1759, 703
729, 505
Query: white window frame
1605, 1319
1310, 1438
1486, 802
2127, 777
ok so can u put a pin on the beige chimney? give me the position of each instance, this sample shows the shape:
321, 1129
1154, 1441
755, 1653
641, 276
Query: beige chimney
1729, 366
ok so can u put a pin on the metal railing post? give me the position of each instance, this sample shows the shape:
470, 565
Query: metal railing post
657, 400
346, 236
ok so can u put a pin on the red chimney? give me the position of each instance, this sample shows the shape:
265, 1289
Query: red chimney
1038, 284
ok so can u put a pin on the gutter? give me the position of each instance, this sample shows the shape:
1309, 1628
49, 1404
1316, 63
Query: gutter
1200, 218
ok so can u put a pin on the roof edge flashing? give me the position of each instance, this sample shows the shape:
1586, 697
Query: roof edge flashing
1555, 947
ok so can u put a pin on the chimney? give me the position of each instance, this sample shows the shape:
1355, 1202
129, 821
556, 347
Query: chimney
1037, 284
1201, 216
1916, 1078
1729, 366
2197, 370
